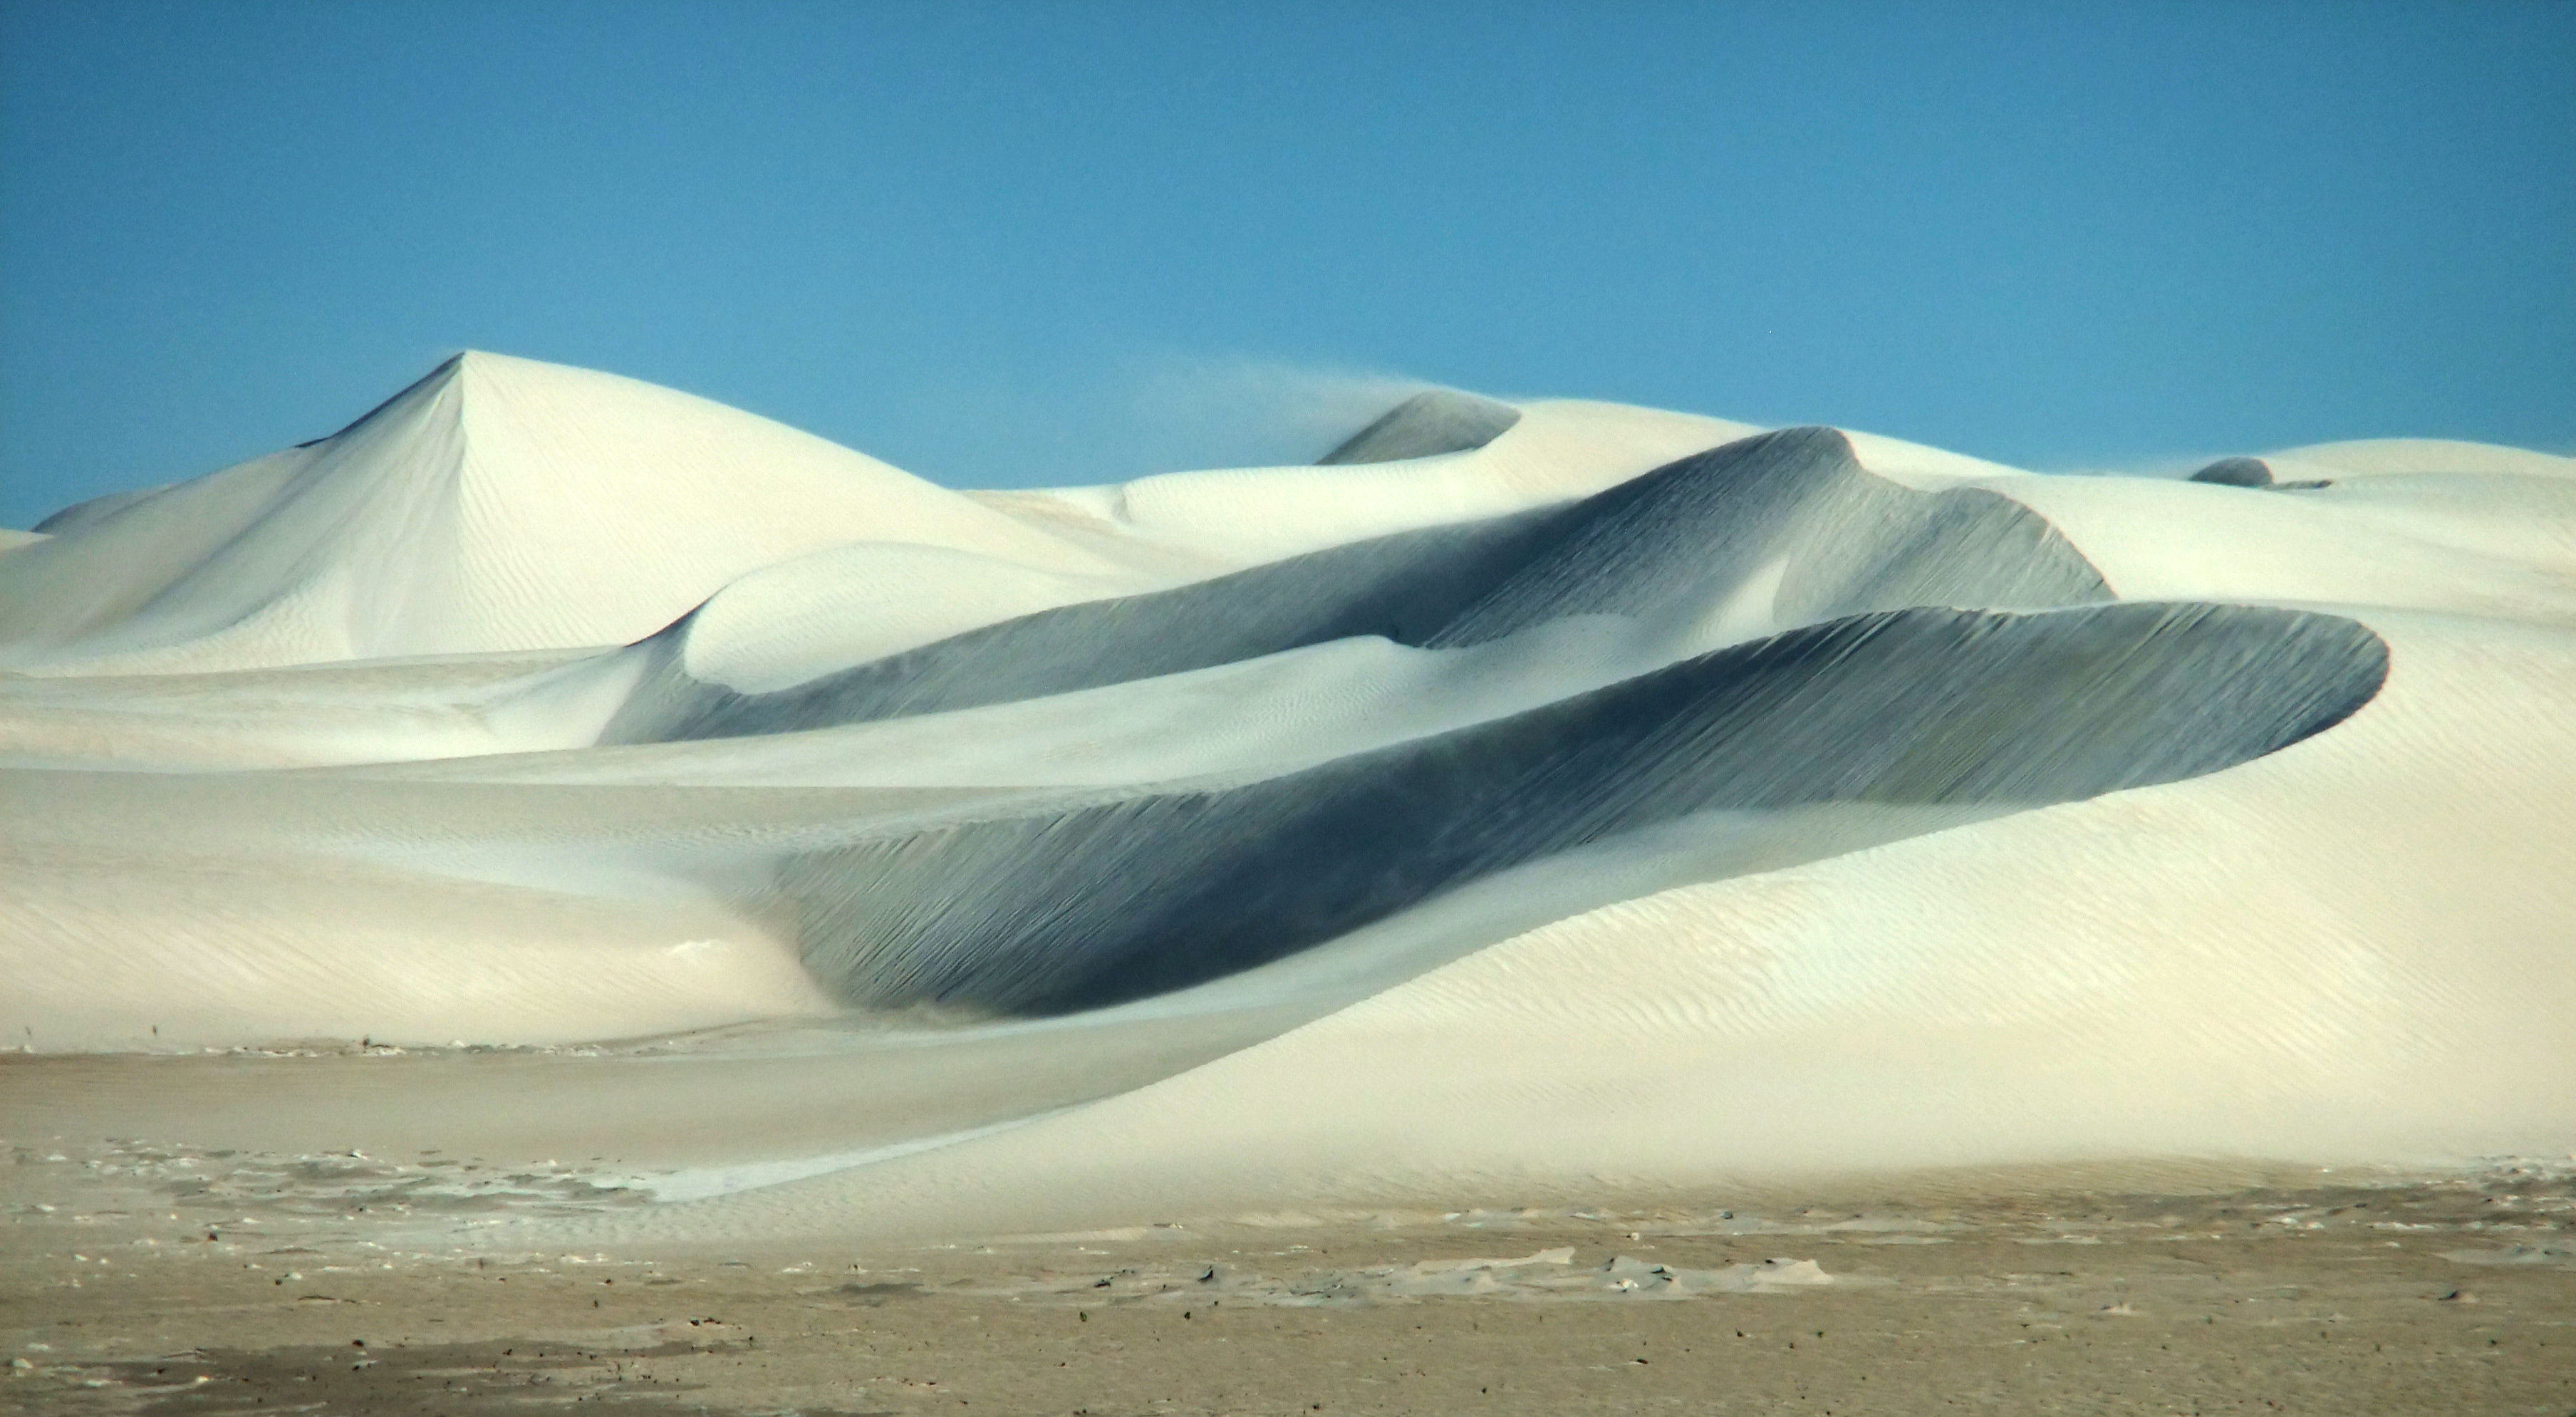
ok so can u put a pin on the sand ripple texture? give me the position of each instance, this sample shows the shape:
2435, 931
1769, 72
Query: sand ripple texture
1521, 801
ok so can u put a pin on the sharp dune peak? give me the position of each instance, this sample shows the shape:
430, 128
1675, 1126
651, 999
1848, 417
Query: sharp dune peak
497, 504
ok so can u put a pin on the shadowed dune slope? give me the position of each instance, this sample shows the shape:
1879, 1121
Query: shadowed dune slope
2236, 472
1065, 911
1432, 422
1760, 535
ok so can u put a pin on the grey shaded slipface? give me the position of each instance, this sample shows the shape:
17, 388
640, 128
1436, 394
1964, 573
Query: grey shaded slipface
1789, 656
2236, 472
1434, 421
1068, 910
1789, 515
2254, 474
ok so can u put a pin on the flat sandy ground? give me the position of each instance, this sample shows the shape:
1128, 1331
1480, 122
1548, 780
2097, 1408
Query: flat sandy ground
141, 1290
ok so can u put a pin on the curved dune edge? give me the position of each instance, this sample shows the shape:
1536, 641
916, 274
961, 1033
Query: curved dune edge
2257, 972
1754, 536
1060, 911
1606, 801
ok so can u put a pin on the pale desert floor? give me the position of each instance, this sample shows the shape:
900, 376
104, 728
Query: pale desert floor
161, 1280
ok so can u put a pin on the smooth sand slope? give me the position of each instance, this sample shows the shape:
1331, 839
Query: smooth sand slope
1524, 800
498, 504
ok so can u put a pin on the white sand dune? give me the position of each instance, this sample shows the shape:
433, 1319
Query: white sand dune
1527, 799
498, 504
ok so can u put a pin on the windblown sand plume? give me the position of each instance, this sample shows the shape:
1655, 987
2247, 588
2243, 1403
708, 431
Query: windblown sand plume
1523, 795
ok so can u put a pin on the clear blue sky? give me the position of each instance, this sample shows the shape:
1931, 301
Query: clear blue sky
1034, 243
